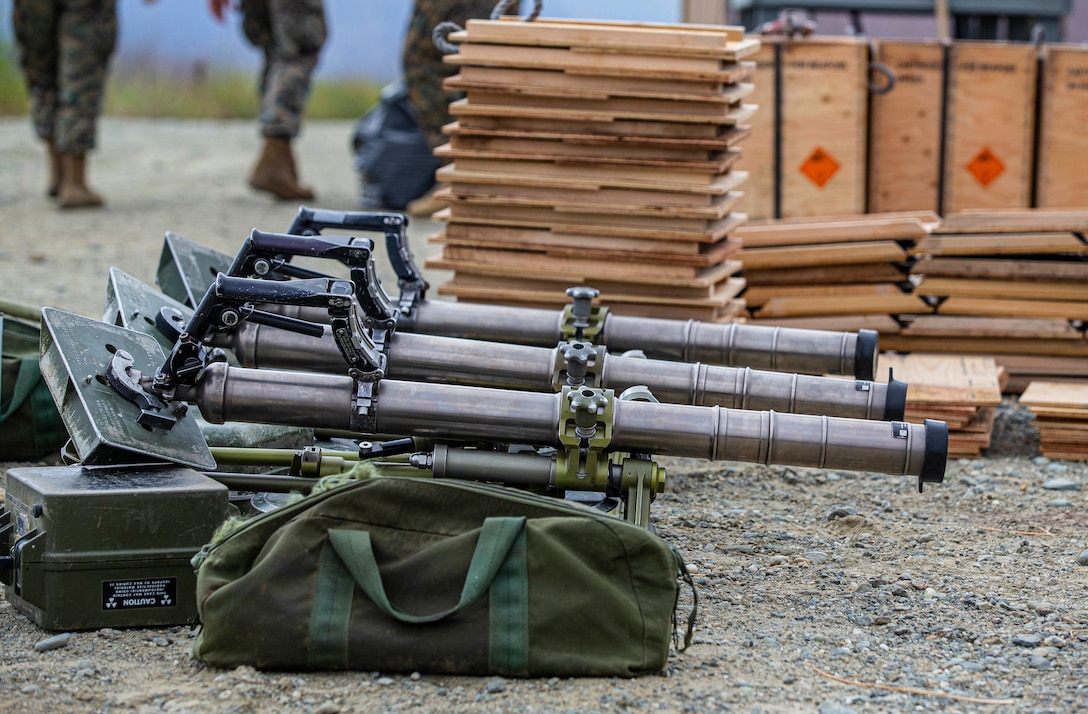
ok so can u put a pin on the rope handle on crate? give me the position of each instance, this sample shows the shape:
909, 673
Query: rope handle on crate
442, 30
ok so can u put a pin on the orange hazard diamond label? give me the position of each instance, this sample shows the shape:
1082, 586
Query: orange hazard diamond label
820, 166
985, 167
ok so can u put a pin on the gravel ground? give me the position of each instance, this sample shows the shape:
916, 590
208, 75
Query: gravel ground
820, 591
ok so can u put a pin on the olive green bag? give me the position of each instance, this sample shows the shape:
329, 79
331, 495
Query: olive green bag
30, 425
413, 574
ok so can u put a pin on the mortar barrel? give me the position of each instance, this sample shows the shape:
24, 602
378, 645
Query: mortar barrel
767, 437
781, 349
455, 412
736, 388
431, 358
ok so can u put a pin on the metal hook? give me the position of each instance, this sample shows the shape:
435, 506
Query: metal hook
439, 34
443, 29
887, 72
500, 9
1038, 35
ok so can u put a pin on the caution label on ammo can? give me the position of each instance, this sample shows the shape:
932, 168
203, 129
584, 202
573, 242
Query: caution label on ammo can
132, 594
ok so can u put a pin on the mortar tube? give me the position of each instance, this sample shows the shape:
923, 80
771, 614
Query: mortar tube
780, 349
512, 469
431, 358
460, 413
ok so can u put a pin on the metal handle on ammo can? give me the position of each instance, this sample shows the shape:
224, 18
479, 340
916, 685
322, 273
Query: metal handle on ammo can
454, 412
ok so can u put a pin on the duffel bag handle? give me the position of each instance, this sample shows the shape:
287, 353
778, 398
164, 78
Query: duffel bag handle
497, 535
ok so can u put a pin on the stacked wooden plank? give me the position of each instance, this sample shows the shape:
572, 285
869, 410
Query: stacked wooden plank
962, 391
1061, 413
596, 153
1007, 283
833, 273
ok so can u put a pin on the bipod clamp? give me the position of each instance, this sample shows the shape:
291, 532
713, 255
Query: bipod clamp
229, 301
577, 363
410, 281
582, 320
584, 463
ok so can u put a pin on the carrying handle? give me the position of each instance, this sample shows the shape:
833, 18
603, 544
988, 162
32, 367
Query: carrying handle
497, 535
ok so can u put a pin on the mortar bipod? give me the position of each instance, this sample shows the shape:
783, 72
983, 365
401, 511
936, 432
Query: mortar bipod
624, 481
628, 480
267, 255
413, 287
230, 301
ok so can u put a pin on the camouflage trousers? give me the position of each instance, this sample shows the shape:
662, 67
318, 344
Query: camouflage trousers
291, 34
64, 49
423, 67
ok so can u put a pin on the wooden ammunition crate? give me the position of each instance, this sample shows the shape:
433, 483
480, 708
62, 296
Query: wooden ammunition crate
806, 155
960, 128
823, 114
1063, 141
990, 124
905, 128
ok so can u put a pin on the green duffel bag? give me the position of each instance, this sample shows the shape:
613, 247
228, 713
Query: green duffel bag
30, 425
442, 577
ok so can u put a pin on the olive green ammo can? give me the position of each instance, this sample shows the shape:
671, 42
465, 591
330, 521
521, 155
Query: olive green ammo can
106, 547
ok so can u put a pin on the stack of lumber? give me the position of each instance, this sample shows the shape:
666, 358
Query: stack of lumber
842, 273
1061, 413
596, 153
962, 391
1011, 283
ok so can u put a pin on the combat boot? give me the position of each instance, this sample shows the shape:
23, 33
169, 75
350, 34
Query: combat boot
73, 191
53, 187
275, 171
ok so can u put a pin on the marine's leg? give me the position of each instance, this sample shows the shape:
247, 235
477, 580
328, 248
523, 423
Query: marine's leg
88, 35
35, 26
293, 39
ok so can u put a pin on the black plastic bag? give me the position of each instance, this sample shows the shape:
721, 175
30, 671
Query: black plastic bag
395, 163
